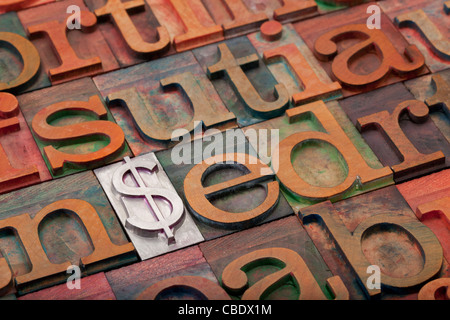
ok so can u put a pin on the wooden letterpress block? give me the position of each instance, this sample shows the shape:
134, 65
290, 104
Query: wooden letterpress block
21, 163
95, 287
398, 129
376, 230
426, 26
150, 101
326, 6
67, 54
434, 90
293, 64
16, 5
19, 60
151, 211
318, 155
131, 30
72, 127
242, 80
56, 224
223, 183
382, 58
250, 263
133, 282
429, 198
188, 22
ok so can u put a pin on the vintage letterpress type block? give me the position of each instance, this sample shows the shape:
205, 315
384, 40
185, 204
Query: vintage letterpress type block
242, 80
148, 206
223, 183
67, 54
150, 101
95, 287
319, 155
381, 241
16, 5
50, 226
292, 63
131, 30
21, 163
429, 198
434, 90
73, 127
383, 56
19, 60
436, 289
398, 129
164, 273
188, 22
276, 260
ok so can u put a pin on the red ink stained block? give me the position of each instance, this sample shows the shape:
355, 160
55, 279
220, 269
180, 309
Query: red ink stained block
21, 163
17, 5
67, 54
361, 59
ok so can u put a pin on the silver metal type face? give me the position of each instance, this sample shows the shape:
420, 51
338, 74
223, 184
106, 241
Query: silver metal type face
148, 206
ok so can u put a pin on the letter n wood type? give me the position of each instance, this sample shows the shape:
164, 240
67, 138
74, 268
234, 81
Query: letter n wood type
73, 127
151, 100
399, 130
55, 224
376, 228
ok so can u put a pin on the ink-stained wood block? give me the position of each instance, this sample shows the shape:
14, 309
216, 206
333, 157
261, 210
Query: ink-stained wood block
434, 90
327, 6
21, 163
188, 23
318, 155
130, 282
398, 129
14, 51
428, 198
383, 58
72, 127
243, 81
151, 100
277, 249
59, 223
131, 30
148, 206
224, 185
64, 53
426, 26
16, 5
95, 287
376, 228
294, 65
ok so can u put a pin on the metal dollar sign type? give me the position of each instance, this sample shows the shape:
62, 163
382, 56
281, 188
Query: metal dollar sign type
159, 221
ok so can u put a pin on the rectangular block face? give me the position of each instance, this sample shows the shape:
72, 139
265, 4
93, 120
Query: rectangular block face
153, 230
89, 126
82, 216
360, 71
145, 23
315, 161
425, 137
20, 5
10, 62
130, 282
18, 148
53, 17
247, 90
423, 23
433, 90
240, 201
148, 108
394, 250
286, 234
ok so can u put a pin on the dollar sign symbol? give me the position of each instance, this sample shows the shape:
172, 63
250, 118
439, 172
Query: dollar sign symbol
163, 222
